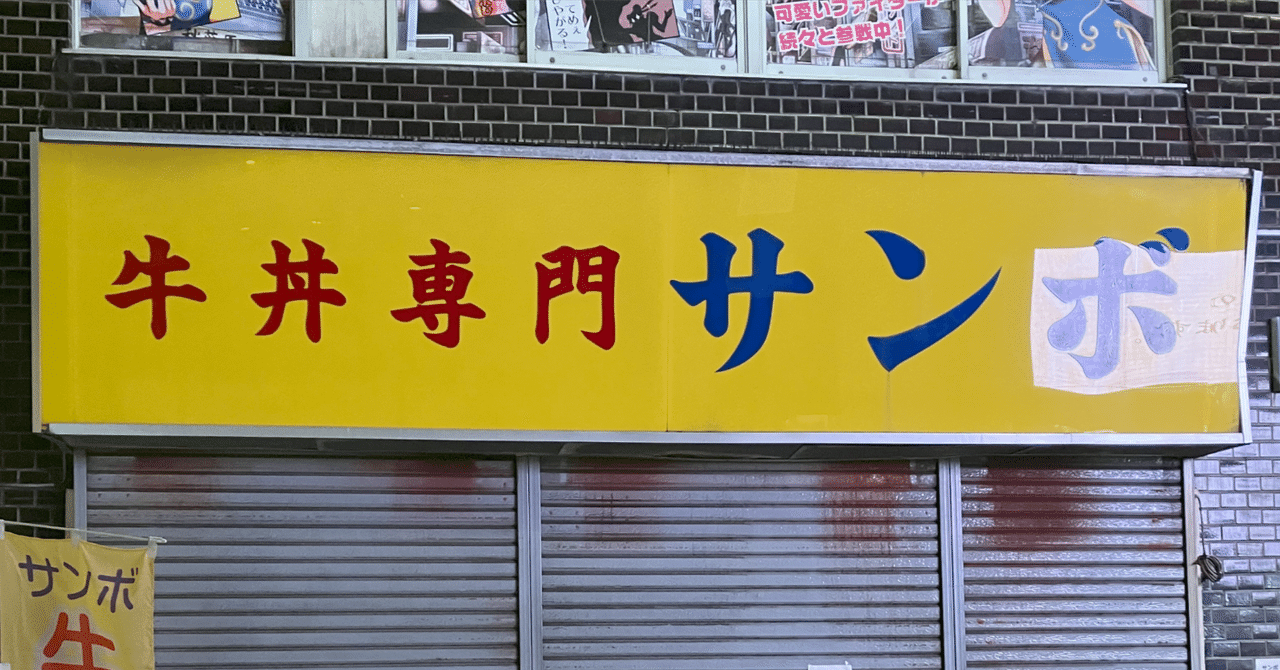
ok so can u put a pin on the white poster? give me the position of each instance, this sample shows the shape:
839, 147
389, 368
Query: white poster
568, 22
1116, 316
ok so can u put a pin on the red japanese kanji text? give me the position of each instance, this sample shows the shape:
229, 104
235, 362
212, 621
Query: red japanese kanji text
438, 288
85, 637
597, 270
292, 285
157, 265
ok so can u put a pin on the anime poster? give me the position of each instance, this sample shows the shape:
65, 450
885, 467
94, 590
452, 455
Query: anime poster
462, 26
159, 23
621, 23
1072, 34
699, 28
568, 25
862, 33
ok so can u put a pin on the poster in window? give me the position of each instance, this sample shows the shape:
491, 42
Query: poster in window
252, 26
1066, 34
493, 27
697, 28
902, 34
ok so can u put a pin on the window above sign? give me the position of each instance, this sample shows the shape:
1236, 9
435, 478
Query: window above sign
1012, 41
208, 26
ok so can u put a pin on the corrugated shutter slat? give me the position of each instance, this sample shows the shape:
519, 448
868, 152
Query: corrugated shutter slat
1074, 566
321, 563
739, 566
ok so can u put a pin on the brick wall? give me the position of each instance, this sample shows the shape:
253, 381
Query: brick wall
1227, 52
31, 468
613, 110
1229, 55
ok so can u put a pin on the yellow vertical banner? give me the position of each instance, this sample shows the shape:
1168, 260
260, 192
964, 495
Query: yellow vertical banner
68, 605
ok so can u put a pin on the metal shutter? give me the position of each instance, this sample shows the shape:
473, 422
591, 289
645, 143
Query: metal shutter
739, 565
1074, 564
321, 563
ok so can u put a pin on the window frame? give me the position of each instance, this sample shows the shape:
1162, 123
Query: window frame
750, 61
437, 56
624, 62
1161, 56
294, 20
752, 58
853, 74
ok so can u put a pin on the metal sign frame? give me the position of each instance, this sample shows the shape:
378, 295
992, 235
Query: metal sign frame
791, 444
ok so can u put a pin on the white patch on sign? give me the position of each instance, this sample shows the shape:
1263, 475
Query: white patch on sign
1190, 336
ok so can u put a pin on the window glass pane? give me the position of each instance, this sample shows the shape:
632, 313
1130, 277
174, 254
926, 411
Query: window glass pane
223, 26
462, 26
1072, 34
699, 28
862, 33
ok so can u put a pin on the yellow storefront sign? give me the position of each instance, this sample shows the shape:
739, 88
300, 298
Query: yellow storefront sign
67, 604
207, 286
